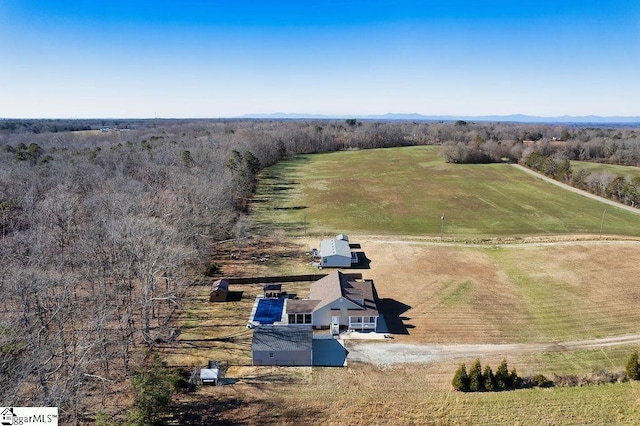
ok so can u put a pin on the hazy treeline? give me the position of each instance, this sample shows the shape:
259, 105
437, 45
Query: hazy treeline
101, 232
36, 126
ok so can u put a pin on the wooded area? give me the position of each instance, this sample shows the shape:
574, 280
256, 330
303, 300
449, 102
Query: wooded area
102, 231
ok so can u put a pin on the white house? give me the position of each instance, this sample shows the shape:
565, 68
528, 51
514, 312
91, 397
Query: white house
336, 302
336, 253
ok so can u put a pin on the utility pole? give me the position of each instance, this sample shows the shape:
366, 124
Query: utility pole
441, 226
602, 222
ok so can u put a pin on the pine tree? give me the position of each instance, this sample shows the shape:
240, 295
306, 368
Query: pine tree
633, 367
153, 386
460, 380
476, 380
489, 379
514, 379
502, 376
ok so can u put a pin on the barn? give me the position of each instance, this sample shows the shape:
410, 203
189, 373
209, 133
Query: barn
335, 253
282, 345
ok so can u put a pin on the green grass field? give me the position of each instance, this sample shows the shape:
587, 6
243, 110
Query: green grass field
404, 191
625, 171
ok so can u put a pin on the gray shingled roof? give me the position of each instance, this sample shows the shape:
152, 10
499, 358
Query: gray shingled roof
301, 306
282, 338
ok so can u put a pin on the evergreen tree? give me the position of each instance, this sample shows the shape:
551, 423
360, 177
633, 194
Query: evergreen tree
460, 380
489, 379
514, 380
502, 376
476, 380
153, 386
633, 367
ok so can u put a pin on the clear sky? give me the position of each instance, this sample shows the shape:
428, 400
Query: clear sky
170, 58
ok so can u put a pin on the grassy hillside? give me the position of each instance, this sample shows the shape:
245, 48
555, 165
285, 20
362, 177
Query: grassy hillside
406, 190
625, 171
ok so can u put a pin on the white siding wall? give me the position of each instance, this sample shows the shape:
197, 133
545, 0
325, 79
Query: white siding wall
322, 316
336, 261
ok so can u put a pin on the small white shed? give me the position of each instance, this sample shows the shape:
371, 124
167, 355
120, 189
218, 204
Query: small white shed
209, 376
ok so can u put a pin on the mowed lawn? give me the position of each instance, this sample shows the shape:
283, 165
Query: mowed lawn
405, 191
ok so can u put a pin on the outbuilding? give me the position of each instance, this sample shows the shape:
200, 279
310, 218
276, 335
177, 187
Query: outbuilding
335, 253
209, 376
284, 345
219, 291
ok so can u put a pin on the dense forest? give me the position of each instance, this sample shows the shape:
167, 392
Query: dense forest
103, 230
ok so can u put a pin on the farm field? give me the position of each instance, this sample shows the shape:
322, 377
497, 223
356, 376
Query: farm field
404, 191
404, 395
519, 293
541, 275
626, 171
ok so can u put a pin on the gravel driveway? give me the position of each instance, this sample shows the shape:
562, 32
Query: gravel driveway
389, 353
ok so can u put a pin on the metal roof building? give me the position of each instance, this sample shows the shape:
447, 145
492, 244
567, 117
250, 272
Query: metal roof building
335, 253
282, 345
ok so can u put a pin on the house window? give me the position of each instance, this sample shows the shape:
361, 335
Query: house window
372, 319
270, 354
299, 318
292, 318
356, 319
307, 318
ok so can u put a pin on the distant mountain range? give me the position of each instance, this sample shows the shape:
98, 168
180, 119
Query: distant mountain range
513, 118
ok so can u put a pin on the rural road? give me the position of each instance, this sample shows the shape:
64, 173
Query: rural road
390, 353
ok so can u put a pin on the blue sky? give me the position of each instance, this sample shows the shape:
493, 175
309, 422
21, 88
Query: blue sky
223, 59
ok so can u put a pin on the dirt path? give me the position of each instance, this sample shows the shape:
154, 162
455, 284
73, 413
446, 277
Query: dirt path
565, 240
576, 190
389, 353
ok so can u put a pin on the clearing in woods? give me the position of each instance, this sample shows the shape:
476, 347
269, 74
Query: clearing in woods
405, 191
546, 286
